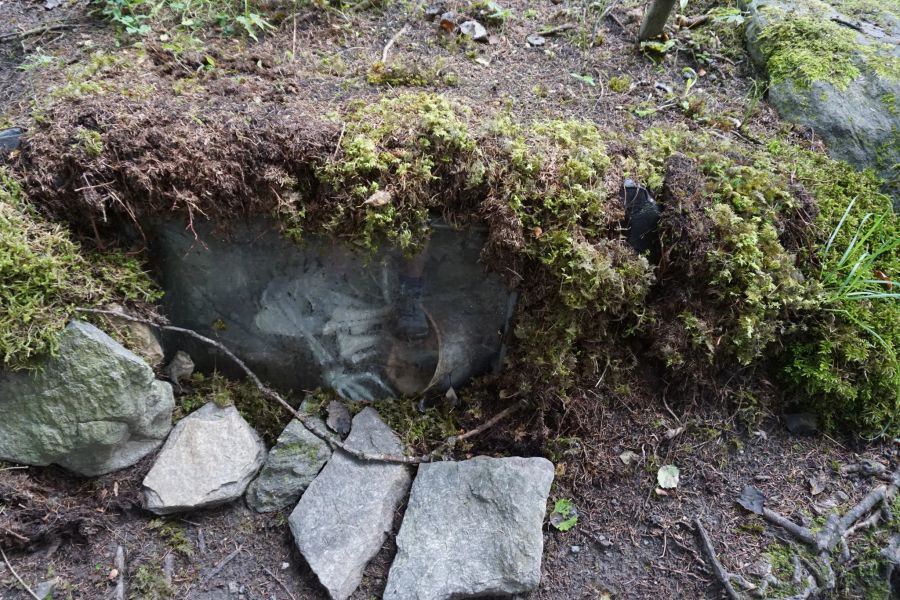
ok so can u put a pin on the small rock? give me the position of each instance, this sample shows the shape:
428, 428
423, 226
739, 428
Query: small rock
604, 542
45, 589
474, 30
575, 549
233, 587
801, 423
338, 418
536, 39
665, 88
210, 458
472, 529
9, 140
292, 464
345, 514
433, 11
180, 368
141, 338
285, 566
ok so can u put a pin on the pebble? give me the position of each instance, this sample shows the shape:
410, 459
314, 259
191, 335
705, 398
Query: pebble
536, 39
475, 30
433, 11
575, 549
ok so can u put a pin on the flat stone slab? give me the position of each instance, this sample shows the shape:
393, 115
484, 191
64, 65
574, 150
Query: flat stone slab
291, 466
345, 514
210, 458
94, 408
472, 529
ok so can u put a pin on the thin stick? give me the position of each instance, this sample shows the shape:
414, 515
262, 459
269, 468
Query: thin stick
16, 575
307, 420
222, 564
720, 572
13, 35
391, 42
279, 582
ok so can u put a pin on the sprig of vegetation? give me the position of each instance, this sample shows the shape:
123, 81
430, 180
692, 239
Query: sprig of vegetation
141, 17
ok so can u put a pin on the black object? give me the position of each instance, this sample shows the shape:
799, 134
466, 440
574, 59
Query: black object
641, 217
9, 140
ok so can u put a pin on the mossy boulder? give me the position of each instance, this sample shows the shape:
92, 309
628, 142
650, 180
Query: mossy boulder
93, 409
836, 70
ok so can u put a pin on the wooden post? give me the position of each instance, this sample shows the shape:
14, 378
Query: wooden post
655, 19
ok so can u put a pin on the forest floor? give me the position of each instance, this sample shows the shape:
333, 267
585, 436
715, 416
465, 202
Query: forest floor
630, 541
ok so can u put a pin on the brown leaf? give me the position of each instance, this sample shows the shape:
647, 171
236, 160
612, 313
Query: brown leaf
379, 198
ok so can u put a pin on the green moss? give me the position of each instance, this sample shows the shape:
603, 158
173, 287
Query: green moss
402, 74
620, 83
149, 583
173, 535
415, 147
263, 414
803, 48
45, 275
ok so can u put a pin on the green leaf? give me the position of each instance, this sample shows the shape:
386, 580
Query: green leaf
667, 477
584, 79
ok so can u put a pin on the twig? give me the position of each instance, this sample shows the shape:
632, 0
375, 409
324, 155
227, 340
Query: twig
846, 23
18, 35
556, 30
222, 564
16, 575
120, 565
311, 423
390, 43
720, 572
279, 582
18, 536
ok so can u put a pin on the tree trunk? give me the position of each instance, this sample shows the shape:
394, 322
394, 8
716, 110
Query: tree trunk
655, 19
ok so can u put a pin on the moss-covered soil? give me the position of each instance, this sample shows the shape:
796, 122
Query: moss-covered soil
767, 293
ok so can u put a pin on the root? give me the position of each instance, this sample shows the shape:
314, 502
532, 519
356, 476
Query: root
837, 530
311, 423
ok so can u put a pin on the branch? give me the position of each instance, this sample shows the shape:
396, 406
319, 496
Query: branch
721, 574
16, 575
312, 424
390, 43
18, 35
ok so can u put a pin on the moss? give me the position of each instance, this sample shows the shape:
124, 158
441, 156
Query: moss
45, 275
173, 535
264, 415
149, 583
802, 48
620, 83
415, 147
397, 74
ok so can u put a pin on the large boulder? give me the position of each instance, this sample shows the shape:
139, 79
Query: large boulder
850, 96
344, 516
291, 466
210, 458
472, 529
93, 409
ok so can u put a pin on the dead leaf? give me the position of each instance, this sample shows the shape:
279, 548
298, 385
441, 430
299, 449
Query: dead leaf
113, 574
629, 457
752, 499
673, 433
816, 485
379, 198
537, 232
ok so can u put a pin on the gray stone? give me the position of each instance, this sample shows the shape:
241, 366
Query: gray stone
292, 464
210, 458
474, 30
140, 338
472, 529
857, 124
344, 516
93, 409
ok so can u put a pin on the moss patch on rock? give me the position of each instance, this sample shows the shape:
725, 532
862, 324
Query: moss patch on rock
45, 275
